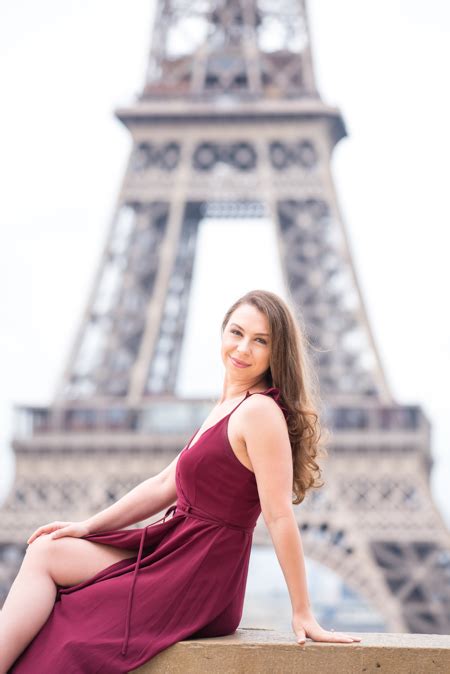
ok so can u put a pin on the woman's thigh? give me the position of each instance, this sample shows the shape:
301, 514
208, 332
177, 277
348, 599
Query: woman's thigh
70, 560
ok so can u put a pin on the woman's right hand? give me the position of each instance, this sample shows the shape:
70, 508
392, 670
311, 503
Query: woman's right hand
60, 529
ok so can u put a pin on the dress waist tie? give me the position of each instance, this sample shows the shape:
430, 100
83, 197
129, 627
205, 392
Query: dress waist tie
133, 582
198, 513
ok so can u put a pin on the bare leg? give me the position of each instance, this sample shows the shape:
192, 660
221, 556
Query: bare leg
47, 563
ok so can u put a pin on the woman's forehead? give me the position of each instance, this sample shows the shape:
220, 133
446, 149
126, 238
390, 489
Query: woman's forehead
250, 318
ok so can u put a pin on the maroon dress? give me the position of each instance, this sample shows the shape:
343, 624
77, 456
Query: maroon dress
187, 580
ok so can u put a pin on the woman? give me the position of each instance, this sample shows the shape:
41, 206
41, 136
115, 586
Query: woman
86, 602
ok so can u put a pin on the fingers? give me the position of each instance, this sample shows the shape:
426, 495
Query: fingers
340, 637
60, 533
333, 637
44, 529
37, 533
346, 637
323, 635
301, 637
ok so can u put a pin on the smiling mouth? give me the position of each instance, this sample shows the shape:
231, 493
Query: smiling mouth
239, 362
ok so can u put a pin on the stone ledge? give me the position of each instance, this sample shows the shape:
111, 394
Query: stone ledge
266, 651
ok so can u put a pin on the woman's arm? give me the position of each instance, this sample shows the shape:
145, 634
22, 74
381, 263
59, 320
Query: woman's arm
144, 500
265, 434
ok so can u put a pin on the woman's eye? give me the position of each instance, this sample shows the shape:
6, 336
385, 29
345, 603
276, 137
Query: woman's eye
237, 332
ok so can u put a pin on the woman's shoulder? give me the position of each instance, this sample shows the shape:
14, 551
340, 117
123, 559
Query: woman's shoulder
265, 402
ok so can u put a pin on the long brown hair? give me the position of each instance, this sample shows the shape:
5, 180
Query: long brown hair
292, 372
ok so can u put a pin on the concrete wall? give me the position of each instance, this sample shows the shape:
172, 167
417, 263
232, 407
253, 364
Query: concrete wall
264, 651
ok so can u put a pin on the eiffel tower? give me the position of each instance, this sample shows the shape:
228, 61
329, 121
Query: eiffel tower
230, 124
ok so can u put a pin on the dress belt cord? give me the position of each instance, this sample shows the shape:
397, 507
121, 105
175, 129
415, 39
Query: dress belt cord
133, 582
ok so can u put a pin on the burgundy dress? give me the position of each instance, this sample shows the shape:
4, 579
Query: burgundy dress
187, 580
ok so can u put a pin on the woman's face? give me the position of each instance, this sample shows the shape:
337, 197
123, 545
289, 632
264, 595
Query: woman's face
246, 344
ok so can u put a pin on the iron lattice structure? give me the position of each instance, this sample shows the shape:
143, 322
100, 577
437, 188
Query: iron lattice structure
230, 123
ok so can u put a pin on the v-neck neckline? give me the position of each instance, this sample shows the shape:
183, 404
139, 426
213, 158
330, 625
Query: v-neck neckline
189, 446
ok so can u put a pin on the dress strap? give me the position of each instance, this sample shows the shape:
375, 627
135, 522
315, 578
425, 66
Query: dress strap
240, 402
213, 425
272, 390
248, 394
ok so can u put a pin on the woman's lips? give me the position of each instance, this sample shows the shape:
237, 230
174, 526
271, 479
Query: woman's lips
239, 363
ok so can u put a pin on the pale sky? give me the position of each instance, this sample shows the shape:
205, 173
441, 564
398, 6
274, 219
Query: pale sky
66, 65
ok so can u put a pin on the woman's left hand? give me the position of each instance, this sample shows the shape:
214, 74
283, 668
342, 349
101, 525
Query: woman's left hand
305, 625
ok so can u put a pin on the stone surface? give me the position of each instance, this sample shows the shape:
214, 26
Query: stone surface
266, 651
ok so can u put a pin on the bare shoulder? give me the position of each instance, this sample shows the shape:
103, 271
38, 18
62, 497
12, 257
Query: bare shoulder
260, 412
261, 404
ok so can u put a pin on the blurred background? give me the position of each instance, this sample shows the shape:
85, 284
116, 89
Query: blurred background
66, 65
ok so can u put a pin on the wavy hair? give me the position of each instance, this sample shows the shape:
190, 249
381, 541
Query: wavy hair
292, 372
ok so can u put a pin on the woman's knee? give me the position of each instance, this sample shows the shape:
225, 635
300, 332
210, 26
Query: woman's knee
41, 548
50, 553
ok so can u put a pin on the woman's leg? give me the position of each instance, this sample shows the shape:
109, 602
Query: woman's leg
47, 563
